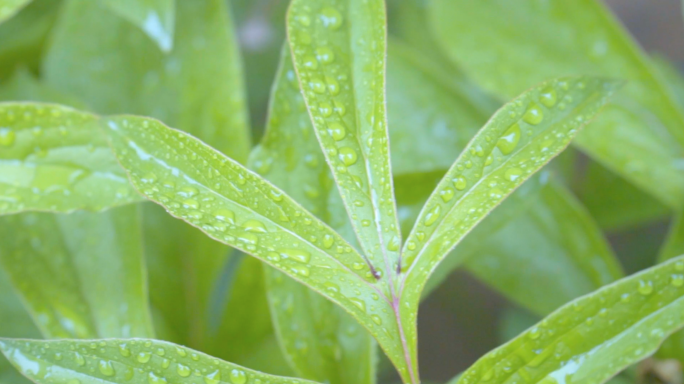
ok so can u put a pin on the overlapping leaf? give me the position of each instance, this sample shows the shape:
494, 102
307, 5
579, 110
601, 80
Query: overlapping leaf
137, 361
54, 158
80, 275
508, 47
321, 341
673, 247
594, 337
342, 75
155, 17
9, 7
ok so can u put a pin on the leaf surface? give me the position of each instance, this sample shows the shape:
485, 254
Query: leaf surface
80, 275
507, 47
9, 7
125, 361
54, 158
155, 17
321, 340
594, 337
342, 77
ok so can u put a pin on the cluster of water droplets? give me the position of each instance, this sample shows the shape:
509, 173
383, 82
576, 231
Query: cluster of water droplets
521, 137
619, 325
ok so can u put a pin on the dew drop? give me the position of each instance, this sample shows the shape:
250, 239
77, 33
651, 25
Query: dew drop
340, 108
325, 55
296, 255
225, 215
106, 368
548, 97
513, 173
310, 62
124, 351
645, 287
337, 131
509, 140
238, 377
347, 155
80, 360
325, 109
376, 319
460, 183
393, 244
253, 225
328, 241
447, 194
432, 215
213, 378
183, 371
677, 280
534, 114
358, 303
331, 18
333, 85
143, 357
154, 379
7, 137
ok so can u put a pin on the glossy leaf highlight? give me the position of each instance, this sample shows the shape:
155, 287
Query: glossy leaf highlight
155, 17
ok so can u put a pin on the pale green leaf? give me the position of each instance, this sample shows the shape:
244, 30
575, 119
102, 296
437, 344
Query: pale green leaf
9, 7
80, 275
23, 86
155, 17
594, 337
54, 158
237, 207
509, 46
673, 247
343, 83
137, 361
320, 340
101, 58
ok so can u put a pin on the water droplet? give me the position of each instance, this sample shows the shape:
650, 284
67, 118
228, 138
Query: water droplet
432, 215
154, 379
333, 85
534, 114
340, 108
238, 377
183, 371
376, 319
296, 255
677, 280
325, 109
7, 137
213, 378
411, 245
328, 241
337, 131
310, 62
645, 287
359, 303
124, 351
534, 333
447, 194
548, 97
253, 225
325, 55
460, 183
106, 368
347, 155
393, 244
331, 18
80, 360
276, 195
513, 173
191, 204
366, 223
509, 140
225, 215
143, 357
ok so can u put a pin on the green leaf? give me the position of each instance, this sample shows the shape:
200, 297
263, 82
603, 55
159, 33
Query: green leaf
125, 361
321, 341
9, 7
197, 86
23, 86
81, 275
342, 77
237, 207
155, 17
54, 158
555, 234
594, 337
507, 47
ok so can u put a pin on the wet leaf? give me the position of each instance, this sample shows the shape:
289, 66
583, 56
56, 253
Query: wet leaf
9, 7
594, 337
137, 361
154, 17
321, 340
80, 275
197, 86
237, 207
507, 47
342, 77
54, 158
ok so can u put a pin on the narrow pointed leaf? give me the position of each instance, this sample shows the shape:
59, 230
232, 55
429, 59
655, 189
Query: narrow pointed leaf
596, 336
343, 82
137, 361
507, 47
9, 7
197, 87
155, 17
54, 158
241, 209
80, 275
673, 347
321, 341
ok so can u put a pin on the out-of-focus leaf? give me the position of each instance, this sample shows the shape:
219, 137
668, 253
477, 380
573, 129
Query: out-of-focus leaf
10, 7
559, 236
54, 158
155, 17
672, 76
430, 117
137, 361
241, 209
80, 275
615, 203
103, 59
673, 247
23, 86
517, 141
321, 341
507, 47
594, 337
23, 37
343, 83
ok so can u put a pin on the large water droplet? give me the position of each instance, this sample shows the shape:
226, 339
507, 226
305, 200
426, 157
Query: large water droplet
213, 378
337, 131
124, 351
677, 280
513, 173
548, 97
509, 140
645, 287
253, 225
446, 194
7, 137
225, 215
347, 155
106, 368
238, 377
296, 255
183, 371
433, 215
460, 183
534, 114
143, 357
331, 18
325, 55
80, 360
154, 379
